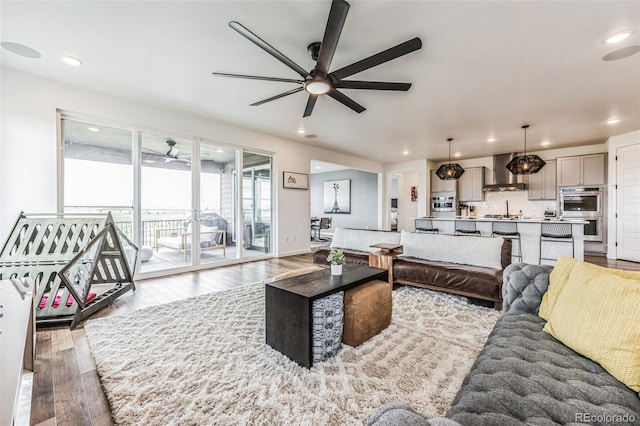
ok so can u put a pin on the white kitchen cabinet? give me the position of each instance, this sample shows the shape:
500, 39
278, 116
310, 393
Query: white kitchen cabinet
542, 185
439, 185
471, 185
581, 170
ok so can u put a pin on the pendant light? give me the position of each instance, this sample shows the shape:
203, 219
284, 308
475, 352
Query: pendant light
450, 171
526, 164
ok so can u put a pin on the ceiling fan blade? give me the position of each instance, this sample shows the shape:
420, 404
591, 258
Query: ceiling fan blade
345, 100
256, 77
337, 16
311, 102
371, 85
281, 95
377, 59
267, 48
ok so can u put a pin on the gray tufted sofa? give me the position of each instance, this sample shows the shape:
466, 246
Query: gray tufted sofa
525, 376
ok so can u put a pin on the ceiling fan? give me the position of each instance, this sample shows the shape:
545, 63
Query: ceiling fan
172, 154
319, 80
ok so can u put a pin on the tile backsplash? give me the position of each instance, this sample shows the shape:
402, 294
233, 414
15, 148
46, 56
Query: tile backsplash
495, 203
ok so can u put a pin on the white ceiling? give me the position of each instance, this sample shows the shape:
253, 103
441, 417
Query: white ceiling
485, 68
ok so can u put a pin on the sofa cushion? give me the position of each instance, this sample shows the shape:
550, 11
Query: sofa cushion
362, 239
452, 277
353, 257
598, 316
524, 375
476, 251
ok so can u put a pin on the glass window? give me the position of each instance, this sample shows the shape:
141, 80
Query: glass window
98, 171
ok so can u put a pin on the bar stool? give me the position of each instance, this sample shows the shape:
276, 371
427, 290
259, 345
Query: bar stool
508, 229
466, 227
557, 232
425, 225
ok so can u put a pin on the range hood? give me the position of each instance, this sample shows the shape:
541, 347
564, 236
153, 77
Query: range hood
503, 179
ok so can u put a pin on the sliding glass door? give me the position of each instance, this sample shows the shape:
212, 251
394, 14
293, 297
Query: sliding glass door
177, 198
165, 201
256, 204
97, 171
218, 206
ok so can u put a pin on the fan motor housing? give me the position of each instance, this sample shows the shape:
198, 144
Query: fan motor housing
314, 50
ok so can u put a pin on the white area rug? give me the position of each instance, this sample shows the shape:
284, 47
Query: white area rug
204, 361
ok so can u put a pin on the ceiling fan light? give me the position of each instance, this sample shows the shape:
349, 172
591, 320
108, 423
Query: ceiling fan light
317, 87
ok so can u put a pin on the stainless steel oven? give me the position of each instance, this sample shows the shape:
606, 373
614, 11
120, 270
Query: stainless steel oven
581, 201
443, 202
593, 229
586, 203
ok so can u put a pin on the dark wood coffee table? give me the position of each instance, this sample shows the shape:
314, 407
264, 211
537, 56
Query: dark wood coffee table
288, 307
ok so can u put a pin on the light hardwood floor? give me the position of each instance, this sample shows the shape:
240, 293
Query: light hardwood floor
66, 388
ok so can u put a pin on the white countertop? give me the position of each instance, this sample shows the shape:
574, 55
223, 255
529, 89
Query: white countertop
524, 220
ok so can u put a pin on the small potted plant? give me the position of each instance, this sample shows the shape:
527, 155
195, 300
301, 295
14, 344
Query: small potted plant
336, 258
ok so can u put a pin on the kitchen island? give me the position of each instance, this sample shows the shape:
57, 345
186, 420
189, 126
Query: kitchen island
529, 230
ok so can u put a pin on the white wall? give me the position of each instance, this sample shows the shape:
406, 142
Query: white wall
364, 199
28, 165
410, 173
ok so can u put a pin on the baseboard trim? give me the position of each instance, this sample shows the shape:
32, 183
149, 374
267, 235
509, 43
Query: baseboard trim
294, 253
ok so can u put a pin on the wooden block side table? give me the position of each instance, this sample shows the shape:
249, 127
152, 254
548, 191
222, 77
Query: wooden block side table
384, 257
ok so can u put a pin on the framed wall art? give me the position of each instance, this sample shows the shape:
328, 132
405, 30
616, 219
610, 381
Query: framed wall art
337, 196
295, 180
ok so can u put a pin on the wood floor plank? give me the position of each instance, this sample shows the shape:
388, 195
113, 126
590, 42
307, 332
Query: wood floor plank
70, 401
48, 422
43, 394
82, 351
61, 339
98, 405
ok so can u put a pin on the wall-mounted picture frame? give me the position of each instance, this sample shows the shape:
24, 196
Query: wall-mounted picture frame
293, 180
414, 193
337, 196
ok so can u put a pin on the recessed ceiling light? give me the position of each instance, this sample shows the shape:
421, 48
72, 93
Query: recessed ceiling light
613, 120
405, 152
311, 136
301, 131
457, 154
491, 139
545, 143
21, 49
219, 151
619, 36
71, 60
148, 161
93, 129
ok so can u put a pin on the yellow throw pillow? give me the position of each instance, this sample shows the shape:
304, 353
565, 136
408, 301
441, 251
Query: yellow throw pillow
557, 279
560, 275
598, 316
